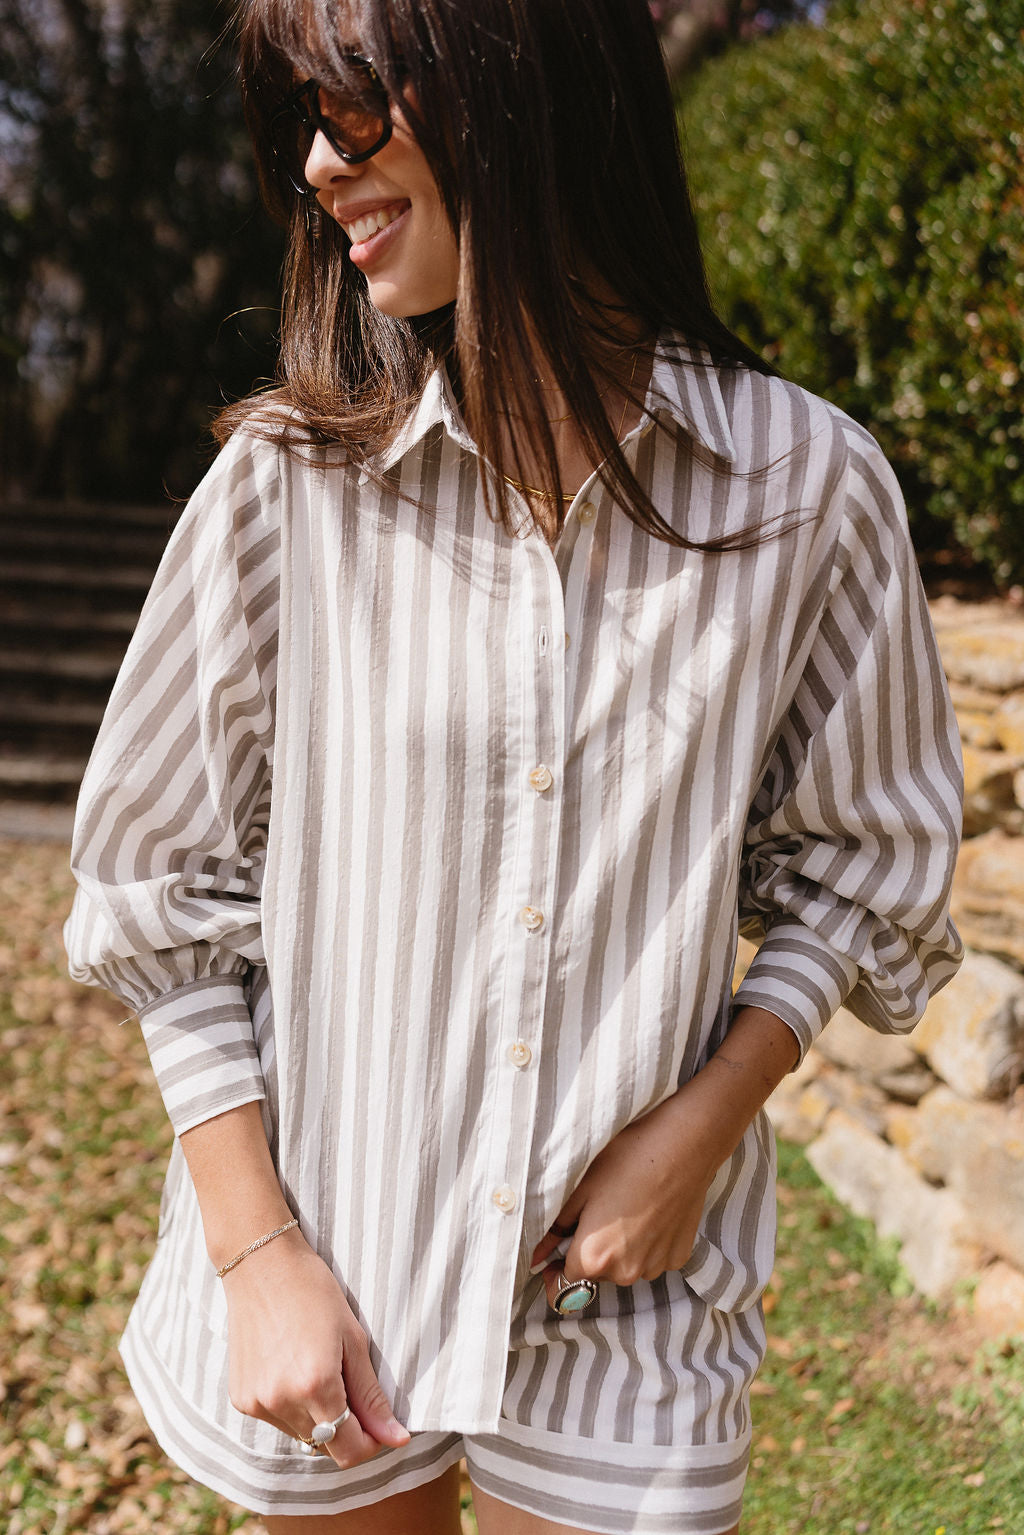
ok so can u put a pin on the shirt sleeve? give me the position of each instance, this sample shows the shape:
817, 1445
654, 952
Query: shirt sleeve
851, 839
171, 828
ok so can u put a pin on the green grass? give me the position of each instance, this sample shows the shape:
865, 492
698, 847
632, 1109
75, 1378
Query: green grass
875, 1413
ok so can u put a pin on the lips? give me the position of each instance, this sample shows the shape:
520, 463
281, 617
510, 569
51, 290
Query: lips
370, 227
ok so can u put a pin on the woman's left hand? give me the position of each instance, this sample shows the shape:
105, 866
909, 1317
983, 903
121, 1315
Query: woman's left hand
635, 1213
637, 1208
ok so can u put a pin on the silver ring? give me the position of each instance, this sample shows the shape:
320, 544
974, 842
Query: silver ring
323, 1433
574, 1295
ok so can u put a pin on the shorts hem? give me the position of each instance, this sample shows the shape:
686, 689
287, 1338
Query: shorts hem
613, 1489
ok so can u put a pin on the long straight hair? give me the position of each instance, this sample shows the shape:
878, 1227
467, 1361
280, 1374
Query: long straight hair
550, 128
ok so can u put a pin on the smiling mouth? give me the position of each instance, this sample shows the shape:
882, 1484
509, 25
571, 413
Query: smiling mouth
364, 228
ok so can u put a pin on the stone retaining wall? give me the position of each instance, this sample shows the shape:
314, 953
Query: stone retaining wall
924, 1135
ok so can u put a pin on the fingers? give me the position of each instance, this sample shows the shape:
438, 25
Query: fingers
552, 1246
564, 1295
547, 1245
563, 1226
370, 1407
596, 1255
350, 1443
551, 1277
565, 1261
353, 1394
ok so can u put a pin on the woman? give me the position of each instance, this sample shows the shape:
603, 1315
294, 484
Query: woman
527, 641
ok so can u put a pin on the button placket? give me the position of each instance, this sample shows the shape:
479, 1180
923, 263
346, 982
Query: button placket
533, 877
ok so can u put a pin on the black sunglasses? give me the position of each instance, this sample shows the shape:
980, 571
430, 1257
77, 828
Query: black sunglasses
356, 124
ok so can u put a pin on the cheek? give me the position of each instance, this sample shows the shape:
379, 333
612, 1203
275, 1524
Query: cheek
441, 226
411, 167
435, 223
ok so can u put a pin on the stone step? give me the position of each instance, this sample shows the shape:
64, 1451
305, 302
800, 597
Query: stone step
37, 667
72, 607
38, 822
37, 732
42, 774
36, 772
74, 624
54, 576
59, 703
117, 514
81, 544
73, 578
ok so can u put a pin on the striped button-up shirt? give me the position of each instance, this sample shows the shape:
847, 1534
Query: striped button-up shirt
439, 839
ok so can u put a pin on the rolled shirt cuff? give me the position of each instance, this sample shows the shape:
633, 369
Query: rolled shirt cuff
203, 1051
799, 977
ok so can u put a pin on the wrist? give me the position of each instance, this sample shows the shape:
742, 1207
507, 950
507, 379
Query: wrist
707, 1127
225, 1239
758, 1051
236, 1182
256, 1246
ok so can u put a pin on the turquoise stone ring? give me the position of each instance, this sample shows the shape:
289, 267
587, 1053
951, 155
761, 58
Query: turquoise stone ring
574, 1295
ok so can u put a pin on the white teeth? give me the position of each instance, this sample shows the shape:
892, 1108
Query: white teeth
370, 223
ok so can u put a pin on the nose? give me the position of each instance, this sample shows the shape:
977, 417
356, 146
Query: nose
324, 164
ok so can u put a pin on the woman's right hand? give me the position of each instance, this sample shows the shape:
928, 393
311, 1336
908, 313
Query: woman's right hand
298, 1356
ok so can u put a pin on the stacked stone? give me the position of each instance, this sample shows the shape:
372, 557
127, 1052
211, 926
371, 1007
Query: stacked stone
924, 1135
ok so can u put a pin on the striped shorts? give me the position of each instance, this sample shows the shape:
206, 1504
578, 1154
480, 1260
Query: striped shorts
632, 1419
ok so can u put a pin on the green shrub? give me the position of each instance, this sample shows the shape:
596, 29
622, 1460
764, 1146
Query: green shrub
861, 193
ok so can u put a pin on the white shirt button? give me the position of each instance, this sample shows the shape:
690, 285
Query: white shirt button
531, 918
505, 1198
587, 512
520, 1053
541, 779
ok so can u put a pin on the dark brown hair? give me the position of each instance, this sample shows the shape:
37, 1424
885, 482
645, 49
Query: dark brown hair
550, 128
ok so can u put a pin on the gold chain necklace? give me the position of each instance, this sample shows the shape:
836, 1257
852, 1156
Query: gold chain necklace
545, 495
568, 496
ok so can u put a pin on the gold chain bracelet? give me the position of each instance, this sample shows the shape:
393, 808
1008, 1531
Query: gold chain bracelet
253, 1246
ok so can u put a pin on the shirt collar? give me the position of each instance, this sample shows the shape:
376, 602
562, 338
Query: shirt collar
684, 384
435, 407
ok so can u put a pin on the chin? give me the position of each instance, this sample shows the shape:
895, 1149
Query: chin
387, 299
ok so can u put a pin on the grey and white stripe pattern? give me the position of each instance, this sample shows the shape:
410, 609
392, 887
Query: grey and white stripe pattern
309, 845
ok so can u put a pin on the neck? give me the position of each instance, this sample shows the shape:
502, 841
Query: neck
617, 351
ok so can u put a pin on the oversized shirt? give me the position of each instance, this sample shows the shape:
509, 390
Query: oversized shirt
438, 840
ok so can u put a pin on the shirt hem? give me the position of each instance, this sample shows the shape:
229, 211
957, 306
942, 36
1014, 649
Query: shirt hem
264, 1483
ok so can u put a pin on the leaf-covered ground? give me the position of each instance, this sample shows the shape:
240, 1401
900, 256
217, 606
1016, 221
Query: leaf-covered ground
874, 1415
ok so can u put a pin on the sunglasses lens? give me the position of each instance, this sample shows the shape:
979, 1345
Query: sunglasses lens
355, 120
352, 126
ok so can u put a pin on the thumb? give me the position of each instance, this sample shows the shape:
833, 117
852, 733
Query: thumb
368, 1401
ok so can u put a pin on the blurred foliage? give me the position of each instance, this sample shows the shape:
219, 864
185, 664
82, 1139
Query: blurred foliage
861, 187
129, 231
692, 31
138, 275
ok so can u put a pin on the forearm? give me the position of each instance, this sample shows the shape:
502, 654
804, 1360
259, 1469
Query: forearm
298, 1355
758, 1051
235, 1180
